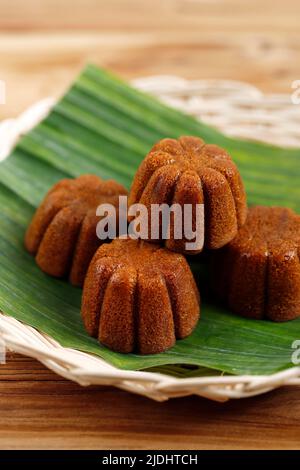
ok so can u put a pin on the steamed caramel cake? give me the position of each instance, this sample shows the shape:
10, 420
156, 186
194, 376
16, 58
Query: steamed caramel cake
258, 273
139, 297
62, 234
188, 171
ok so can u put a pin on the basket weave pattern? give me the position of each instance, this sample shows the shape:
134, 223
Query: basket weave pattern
238, 110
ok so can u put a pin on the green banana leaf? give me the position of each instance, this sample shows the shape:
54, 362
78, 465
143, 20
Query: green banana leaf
104, 126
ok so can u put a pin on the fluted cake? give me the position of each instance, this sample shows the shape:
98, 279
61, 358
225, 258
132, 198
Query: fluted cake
258, 273
62, 233
139, 297
189, 171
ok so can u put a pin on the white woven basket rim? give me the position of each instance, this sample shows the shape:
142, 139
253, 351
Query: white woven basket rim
87, 369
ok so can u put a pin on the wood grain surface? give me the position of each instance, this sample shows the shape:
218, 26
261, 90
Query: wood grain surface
43, 45
38, 409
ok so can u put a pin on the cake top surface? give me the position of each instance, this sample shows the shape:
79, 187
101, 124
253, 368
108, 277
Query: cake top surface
269, 229
137, 253
88, 190
188, 153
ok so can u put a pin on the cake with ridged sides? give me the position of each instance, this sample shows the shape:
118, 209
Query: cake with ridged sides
139, 297
258, 273
62, 234
189, 171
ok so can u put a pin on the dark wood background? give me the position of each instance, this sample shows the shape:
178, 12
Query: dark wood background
43, 45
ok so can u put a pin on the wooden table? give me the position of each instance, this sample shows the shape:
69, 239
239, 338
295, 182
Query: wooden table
43, 45
38, 409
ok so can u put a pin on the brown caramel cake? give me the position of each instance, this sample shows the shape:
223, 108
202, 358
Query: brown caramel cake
139, 297
62, 233
188, 171
258, 273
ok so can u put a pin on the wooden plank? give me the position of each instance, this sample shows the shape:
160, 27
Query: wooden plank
38, 409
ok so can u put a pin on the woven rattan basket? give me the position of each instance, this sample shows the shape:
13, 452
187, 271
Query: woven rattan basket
238, 110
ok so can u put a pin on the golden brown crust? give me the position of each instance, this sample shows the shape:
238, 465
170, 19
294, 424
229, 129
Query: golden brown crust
138, 297
62, 233
258, 273
188, 190
220, 187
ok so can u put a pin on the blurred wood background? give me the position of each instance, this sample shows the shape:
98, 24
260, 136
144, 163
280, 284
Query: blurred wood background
43, 45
